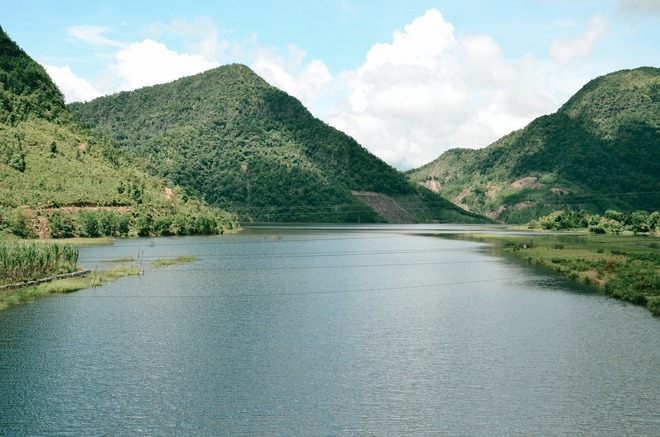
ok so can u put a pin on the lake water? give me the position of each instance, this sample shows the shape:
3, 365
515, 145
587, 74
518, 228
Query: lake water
374, 330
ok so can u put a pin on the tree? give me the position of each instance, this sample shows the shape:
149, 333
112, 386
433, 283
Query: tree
21, 222
89, 223
639, 222
62, 225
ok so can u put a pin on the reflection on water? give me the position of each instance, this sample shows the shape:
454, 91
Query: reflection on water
333, 331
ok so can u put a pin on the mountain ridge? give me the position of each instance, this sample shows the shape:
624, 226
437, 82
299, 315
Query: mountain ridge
597, 152
59, 179
251, 148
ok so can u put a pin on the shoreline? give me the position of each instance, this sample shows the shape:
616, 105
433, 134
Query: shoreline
61, 284
621, 267
34, 282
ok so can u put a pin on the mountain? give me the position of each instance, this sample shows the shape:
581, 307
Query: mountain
599, 151
248, 147
54, 172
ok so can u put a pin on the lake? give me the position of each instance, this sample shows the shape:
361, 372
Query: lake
303, 330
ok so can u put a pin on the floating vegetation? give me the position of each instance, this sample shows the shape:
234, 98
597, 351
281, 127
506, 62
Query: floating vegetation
174, 261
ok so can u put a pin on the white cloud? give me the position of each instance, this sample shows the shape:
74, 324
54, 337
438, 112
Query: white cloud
430, 90
307, 82
149, 62
74, 88
200, 33
93, 35
582, 46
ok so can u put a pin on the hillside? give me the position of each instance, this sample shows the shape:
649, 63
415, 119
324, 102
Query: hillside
248, 147
58, 176
599, 151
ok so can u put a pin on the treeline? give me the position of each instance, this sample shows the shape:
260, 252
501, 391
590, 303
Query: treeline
612, 222
143, 221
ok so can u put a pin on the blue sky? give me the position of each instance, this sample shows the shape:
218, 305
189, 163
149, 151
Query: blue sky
407, 79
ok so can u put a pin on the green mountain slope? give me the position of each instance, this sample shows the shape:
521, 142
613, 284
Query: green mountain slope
50, 165
251, 148
598, 151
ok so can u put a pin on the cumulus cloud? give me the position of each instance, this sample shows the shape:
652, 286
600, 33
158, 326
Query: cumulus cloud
430, 89
307, 82
74, 88
579, 47
150, 62
201, 35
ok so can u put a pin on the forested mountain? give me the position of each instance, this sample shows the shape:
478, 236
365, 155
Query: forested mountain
598, 151
53, 172
251, 148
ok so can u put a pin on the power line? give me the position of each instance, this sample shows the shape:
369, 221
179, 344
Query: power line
323, 267
303, 293
296, 254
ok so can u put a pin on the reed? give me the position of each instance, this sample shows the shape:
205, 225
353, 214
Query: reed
24, 261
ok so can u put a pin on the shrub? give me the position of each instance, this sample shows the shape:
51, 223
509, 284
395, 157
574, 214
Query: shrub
89, 224
22, 222
62, 225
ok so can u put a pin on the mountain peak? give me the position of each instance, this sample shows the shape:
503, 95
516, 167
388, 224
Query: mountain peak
25, 87
608, 99
598, 151
251, 148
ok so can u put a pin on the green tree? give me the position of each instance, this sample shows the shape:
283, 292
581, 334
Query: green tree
62, 225
22, 222
89, 224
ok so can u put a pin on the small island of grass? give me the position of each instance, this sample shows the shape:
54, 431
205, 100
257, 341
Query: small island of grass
174, 261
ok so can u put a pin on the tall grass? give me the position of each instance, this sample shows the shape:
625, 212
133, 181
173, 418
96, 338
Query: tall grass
24, 261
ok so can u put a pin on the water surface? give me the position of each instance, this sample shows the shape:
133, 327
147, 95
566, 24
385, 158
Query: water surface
332, 331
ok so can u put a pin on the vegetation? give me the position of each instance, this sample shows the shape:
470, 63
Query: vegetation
28, 294
623, 267
245, 146
59, 179
26, 91
612, 222
24, 261
596, 153
174, 261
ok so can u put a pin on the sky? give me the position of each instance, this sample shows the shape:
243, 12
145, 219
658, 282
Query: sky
407, 79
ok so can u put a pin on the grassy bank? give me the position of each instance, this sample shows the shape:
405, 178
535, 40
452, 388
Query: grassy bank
17, 296
623, 267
